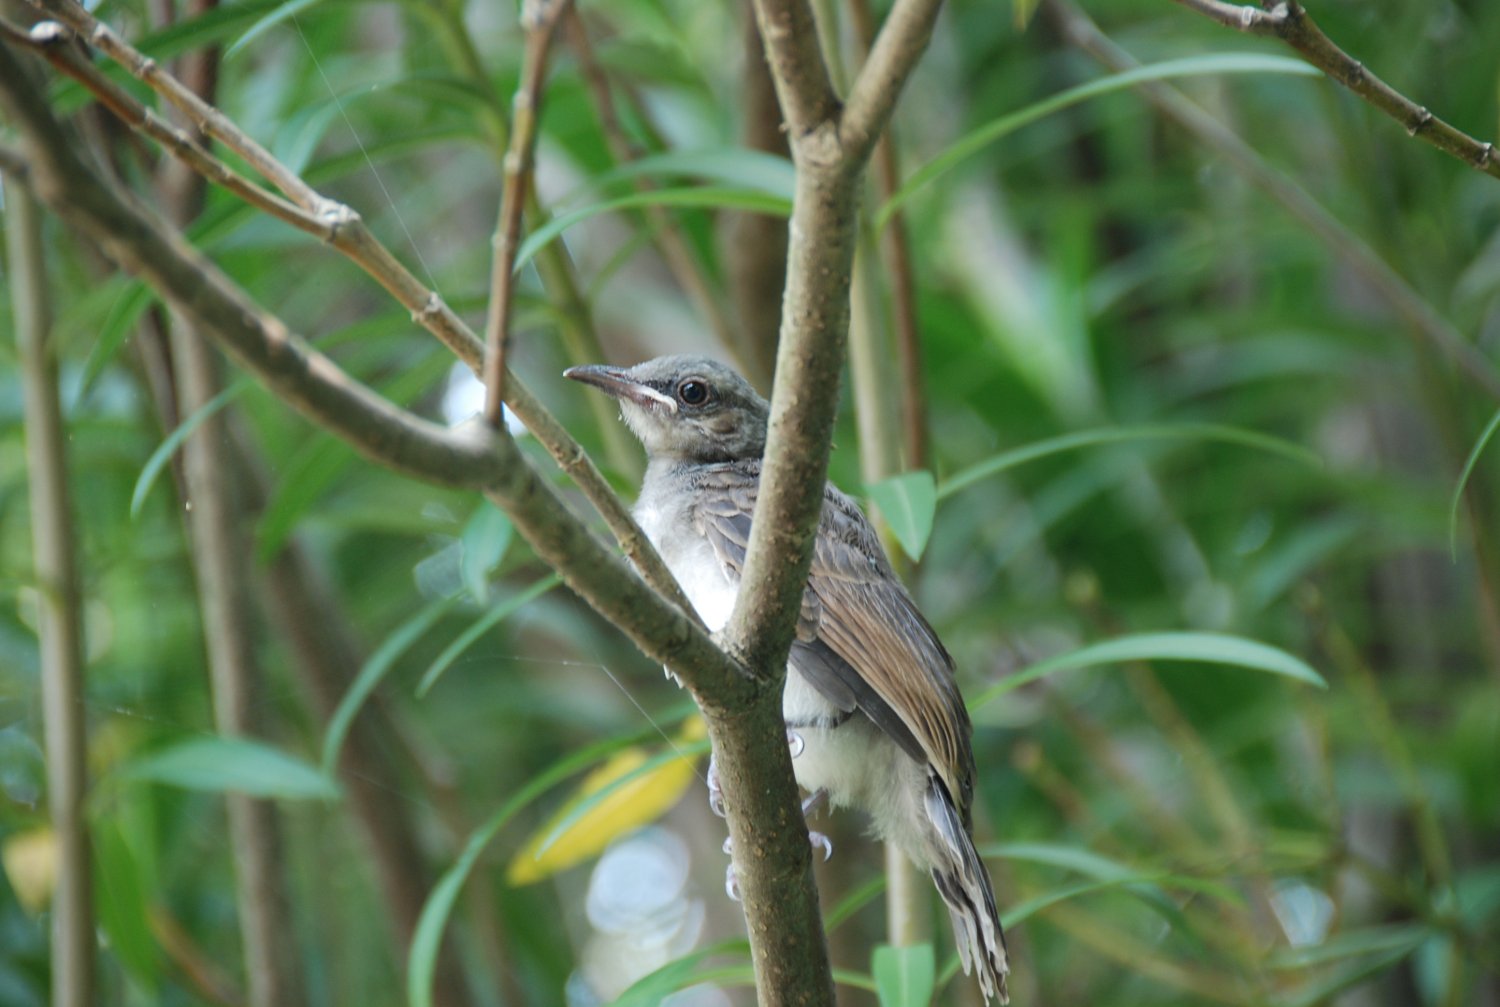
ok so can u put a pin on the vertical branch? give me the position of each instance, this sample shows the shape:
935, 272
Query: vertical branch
539, 18
216, 524
675, 252
756, 255
60, 619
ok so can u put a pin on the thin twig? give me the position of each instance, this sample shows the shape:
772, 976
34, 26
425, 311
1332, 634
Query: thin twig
540, 19
755, 246
683, 264
59, 605
351, 237
214, 517
1291, 23
1424, 322
896, 249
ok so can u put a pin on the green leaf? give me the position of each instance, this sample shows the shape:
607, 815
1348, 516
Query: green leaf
422, 954
122, 904
232, 764
680, 973
907, 502
1463, 480
481, 626
283, 11
1118, 435
701, 197
373, 671
485, 539
176, 439
1209, 648
733, 167
118, 326
975, 141
905, 977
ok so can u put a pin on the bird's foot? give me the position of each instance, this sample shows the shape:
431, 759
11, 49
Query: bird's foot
795, 743
715, 791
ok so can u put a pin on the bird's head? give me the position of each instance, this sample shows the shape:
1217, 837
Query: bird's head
685, 407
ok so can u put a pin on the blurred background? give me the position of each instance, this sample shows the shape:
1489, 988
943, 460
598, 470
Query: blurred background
1212, 307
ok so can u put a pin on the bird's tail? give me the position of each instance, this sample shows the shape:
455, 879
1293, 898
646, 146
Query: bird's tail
964, 884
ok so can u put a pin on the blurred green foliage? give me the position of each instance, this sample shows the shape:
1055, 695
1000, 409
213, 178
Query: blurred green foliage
1164, 833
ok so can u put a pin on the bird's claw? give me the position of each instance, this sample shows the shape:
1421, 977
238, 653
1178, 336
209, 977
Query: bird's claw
794, 740
732, 884
821, 842
715, 791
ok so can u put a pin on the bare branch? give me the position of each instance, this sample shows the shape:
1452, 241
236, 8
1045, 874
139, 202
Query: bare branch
1291, 23
540, 19
808, 101
59, 606
1423, 320
901, 41
351, 237
675, 252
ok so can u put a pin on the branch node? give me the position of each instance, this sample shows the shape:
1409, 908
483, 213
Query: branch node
1482, 160
336, 216
1356, 75
432, 309
1419, 122
821, 146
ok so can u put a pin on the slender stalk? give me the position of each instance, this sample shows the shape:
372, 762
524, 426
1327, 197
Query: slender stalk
59, 605
1290, 22
675, 252
215, 521
1424, 323
540, 18
353, 239
756, 244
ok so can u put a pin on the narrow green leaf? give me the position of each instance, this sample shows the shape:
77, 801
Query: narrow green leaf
113, 334
428, 936
232, 764
481, 626
1209, 648
122, 904
732, 167
1118, 435
485, 539
700, 197
175, 440
907, 502
283, 11
373, 671
904, 977
680, 973
1463, 480
975, 141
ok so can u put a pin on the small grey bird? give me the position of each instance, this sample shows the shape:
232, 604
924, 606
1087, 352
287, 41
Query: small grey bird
872, 709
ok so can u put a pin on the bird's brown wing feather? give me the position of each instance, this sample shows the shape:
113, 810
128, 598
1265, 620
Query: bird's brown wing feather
860, 638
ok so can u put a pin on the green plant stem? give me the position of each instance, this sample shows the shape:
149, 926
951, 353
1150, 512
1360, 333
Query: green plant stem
59, 606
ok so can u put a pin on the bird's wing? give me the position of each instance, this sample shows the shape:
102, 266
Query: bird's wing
861, 641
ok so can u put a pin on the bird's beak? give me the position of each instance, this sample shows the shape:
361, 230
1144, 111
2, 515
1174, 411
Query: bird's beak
618, 382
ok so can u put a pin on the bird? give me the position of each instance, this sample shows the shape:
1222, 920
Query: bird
873, 711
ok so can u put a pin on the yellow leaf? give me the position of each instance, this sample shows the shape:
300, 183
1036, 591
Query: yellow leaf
614, 803
30, 860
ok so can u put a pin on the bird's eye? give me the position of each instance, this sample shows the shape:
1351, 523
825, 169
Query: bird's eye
693, 392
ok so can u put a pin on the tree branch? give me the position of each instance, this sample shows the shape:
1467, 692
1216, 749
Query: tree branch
540, 19
1291, 23
1423, 320
901, 41
59, 606
341, 227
